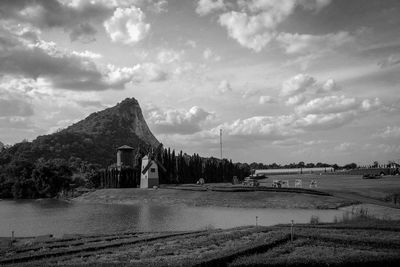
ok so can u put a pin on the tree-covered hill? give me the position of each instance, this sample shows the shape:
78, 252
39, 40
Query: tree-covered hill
93, 139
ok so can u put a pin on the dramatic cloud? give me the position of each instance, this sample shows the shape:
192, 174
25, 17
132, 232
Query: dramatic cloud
306, 44
127, 25
35, 58
205, 7
76, 17
177, 121
255, 25
318, 114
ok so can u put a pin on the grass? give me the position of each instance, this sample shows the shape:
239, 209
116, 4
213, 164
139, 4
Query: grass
310, 252
255, 199
319, 244
346, 190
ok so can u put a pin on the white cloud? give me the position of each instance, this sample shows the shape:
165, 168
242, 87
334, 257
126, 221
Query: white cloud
389, 132
329, 104
205, 7
249, 31
265, 127
255, 25
295, 100
177, 121
306, 43
127, 25
87, 54
224, 87
297, 84
389, 61
208, 54
191, 43
266, 99
250, 93
167, 56
328, 86
345, 147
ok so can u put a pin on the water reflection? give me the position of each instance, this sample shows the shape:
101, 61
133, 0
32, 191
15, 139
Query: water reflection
40, 217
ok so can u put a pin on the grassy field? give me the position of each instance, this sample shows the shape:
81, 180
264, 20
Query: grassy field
349, 186
257, 199
345, 190
364, 241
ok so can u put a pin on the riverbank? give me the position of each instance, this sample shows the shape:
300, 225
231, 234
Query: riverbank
365, 241
203, 198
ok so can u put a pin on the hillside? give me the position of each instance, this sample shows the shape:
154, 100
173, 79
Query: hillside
93, 139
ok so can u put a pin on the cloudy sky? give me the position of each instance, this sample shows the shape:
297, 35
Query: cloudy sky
287, 80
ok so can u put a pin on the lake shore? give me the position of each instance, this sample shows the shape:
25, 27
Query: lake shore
207, 198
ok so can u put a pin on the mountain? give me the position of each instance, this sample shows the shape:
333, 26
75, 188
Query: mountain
93, 139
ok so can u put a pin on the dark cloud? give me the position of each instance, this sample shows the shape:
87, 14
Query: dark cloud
65, 70
83, 32
78, 20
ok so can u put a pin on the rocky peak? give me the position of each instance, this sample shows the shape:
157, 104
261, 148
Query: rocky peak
126, 117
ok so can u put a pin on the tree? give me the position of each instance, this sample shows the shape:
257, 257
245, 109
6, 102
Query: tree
350, 166
51, 176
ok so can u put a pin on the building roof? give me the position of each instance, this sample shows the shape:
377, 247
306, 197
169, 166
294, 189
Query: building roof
147, 167
125, 147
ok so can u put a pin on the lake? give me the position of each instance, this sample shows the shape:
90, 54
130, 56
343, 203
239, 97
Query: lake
39, 217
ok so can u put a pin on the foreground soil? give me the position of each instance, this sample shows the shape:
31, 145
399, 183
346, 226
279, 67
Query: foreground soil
193, 197
364, 241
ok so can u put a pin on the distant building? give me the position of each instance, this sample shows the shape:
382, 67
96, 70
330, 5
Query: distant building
149, 176
293, 171
125, 157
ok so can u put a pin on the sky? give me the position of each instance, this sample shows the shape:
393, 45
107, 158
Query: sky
286, 81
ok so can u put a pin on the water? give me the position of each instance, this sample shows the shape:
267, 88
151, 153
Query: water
40, 217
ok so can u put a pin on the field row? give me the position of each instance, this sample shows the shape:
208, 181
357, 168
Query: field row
243, 246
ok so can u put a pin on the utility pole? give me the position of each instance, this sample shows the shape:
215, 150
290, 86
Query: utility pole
222, 163
220, 141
